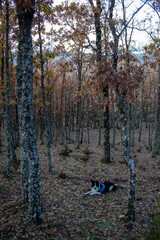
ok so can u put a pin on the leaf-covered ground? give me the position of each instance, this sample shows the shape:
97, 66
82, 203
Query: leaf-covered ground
66, 214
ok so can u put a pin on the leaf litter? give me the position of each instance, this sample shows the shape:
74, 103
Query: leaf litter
69, 216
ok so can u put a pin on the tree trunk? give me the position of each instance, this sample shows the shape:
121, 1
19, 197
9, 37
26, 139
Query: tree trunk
100, 119
106, 129
149, 106
97, 14
8, 116
130, 162
0, 133
130, 123
141, 112
44, 100
88, 120
61, 110
2, 69
2, 84
113, 120
2, 109
121, 98
134, 117
156, 147
41, 125
82, 122
72, 116
56, 120
66, 116
30, 158
79, 104
69, 120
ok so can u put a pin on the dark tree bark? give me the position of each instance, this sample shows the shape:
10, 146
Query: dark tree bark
106, 128
130, 109
100, 119
30, 158
156, 146
0, 133
56, 117
134, 117
97, 14
61, 108
9, 129
82, 122
2, 80
8, 119
88, 120
79, 102
141, 112
113, 120
48, 133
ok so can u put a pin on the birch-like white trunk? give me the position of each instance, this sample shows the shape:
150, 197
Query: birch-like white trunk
129, 160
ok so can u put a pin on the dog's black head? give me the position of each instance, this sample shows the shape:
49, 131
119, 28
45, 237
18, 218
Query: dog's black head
95, 185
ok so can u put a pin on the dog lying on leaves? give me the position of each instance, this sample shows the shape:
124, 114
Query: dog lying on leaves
101, 188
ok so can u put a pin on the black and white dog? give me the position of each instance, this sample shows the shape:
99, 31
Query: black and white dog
99, 188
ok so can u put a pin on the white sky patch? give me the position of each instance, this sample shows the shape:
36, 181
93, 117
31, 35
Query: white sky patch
146, 17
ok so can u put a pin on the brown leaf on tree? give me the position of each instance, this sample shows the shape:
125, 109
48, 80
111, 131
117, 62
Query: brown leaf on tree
27, 4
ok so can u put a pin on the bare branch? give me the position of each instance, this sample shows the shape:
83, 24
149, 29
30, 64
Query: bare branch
126, 25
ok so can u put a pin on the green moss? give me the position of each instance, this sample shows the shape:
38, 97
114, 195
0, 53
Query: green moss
14, 176
62, 175
16, 163
2, 188
65, 151
86, 151
78, 167
101, 160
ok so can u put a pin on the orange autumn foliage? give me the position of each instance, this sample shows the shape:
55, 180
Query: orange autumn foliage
27, 4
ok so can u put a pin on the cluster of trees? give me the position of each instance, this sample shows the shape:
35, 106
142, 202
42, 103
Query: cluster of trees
81, 74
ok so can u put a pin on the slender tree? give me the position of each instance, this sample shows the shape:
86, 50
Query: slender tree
48, 133
8, 120
141, 112
97, 20
2, 66
154, 51
121, 93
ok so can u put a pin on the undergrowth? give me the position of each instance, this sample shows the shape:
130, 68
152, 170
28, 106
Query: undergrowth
154, 233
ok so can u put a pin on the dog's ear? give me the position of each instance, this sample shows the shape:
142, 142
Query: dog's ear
93, 183
97, 183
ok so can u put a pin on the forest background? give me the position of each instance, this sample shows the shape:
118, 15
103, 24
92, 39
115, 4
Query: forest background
71, 98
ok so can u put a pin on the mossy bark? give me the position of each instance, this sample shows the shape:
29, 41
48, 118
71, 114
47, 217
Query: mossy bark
30, 158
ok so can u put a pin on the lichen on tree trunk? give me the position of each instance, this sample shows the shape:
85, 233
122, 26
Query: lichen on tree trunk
129, 161
30, 158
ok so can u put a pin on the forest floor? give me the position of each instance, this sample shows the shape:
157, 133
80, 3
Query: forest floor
69, 216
